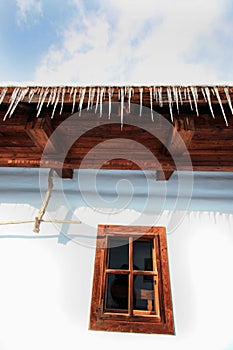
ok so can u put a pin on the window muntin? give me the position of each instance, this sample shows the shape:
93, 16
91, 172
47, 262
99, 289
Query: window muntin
131, 285
131, 276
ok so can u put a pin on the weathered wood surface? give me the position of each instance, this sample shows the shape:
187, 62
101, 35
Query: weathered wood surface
143, 321
27, 141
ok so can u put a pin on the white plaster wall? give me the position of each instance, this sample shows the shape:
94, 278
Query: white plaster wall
46, 278
46, 286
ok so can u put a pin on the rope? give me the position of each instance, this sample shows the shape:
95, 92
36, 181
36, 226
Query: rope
46, 221
45, 203
39, 218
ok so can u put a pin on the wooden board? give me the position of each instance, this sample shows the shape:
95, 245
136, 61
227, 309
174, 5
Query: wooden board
93, 141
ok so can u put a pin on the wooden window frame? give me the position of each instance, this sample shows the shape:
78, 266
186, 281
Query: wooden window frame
139, 322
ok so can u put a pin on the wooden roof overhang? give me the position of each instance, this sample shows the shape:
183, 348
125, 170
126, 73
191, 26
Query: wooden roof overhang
57, 127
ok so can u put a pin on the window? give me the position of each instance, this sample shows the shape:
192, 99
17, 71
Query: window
131, 285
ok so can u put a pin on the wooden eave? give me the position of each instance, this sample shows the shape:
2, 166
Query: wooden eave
31, 134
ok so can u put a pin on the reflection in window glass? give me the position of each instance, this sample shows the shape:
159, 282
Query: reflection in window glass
144, 293
142, 254
118, 253
117, 291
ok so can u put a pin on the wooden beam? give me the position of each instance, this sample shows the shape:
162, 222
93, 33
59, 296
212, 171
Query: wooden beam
163, 175
210, 150
40, 131
225, 165
65, 173
183, 130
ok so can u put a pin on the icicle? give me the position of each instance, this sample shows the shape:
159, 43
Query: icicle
82, 95
42, 101
3, 94
195, 98
129, 98
203, 93
102, 91
24, 92
169, 95
40, 98
74, 99
97, 99
209, 100
189, 98
109, 101
17, 96
50, 97
160, 92
175, 93
185, 94
57, 95
220, 102
31, 94
155, 94
62, 99
54, 95
228, 98
140, 92
119, 94
92, 97
12, 101
151, 104
89, 99
180, 95
122, 107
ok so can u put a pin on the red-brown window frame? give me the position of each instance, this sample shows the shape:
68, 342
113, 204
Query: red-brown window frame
107, 321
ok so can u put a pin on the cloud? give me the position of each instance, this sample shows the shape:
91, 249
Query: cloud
28, 11
129, 42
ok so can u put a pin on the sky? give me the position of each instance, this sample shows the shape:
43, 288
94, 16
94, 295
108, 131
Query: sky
51, 42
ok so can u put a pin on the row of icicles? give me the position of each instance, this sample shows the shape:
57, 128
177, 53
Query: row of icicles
56, 94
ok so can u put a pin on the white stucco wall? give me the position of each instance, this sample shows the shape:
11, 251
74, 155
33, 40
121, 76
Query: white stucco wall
46, 282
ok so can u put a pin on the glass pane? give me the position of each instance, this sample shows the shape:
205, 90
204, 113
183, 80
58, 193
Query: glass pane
118, 253
117, 291
142, 254
144, 293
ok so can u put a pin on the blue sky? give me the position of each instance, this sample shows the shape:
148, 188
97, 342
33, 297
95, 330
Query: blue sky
116, 42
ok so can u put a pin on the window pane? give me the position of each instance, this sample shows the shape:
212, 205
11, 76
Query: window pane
117, 291
144, 293
118, 253
142, 254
